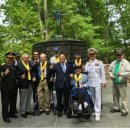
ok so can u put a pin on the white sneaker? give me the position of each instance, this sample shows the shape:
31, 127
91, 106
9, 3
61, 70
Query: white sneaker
97, 118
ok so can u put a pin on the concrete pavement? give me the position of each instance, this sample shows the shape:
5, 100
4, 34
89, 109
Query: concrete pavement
108, 120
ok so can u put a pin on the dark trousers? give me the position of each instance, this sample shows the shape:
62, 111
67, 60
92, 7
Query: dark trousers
35, 98
8, 100
59, 93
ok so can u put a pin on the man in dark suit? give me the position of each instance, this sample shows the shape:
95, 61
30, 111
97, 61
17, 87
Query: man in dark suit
8, 74
63, 73
26, 76
35, 66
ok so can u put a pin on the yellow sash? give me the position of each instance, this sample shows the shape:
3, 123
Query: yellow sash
78, 63
77, 79
56, 60
42, 67
28, 69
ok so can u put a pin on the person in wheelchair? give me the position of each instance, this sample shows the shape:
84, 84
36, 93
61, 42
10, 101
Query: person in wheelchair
79, 92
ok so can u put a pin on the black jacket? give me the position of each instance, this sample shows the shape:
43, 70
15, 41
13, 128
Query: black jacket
8, 82
24, 83
62, 79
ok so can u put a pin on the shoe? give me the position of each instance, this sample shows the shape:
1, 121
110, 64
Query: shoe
59, 113
114, 110
124, 113
24, 115
47, 112
13, 116
29, 113
97, 118
39, 113
7, 120
16, 111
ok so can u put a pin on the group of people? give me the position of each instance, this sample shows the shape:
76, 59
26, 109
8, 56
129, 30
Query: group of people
40, 76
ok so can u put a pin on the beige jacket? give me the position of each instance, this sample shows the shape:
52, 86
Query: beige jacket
124, 70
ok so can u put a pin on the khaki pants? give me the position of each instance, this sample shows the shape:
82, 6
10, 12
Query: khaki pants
120, 92
43, 94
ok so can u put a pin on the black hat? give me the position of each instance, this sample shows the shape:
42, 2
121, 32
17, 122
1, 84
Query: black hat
77, 67
119, 51
10, 55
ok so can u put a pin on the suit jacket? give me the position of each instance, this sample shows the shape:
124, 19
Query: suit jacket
62, 79
24, 83
8, 82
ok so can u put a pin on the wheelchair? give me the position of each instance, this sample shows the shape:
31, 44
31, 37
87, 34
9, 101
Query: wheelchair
73, 108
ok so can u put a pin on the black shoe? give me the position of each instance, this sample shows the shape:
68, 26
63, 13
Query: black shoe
16, 111
59, 113
40, 112
124, 113
24, 115
13, 116
29, 113
114, 110
47, 112
7, 120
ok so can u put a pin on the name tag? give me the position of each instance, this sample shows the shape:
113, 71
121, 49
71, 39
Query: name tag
97, 66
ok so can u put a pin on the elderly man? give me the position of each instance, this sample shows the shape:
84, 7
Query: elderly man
26, 76
43, 92
8, 75
119, 71
96, 79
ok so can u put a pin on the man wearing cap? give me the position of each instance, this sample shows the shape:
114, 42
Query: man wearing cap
79, 91
96, 79
8, 75
119, 71
55, 58
77, 60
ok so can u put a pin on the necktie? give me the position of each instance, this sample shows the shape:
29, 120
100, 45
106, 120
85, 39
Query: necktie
63, 67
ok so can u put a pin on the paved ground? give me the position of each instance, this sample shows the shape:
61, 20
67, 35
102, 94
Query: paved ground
108, 120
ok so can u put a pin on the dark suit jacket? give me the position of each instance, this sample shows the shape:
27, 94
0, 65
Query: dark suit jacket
8, 82
62, 79
24, 83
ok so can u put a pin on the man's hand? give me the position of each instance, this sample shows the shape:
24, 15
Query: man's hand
51, 79
51, 66
118, 74
103, 85
23, 76
34, 79
112, 77
6, 72
71, 76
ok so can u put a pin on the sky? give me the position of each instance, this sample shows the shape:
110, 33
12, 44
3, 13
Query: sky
1, 14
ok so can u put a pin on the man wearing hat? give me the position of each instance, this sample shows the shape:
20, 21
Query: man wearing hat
79, 91
8, 87
96, 79
119, 71
55, 58
77, 60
